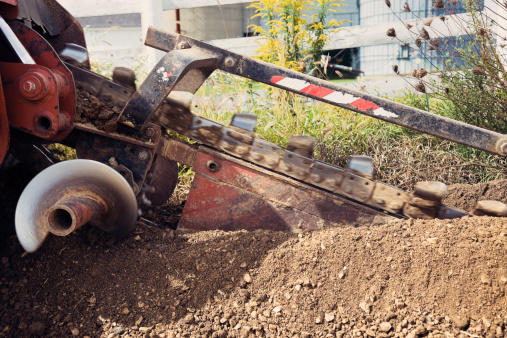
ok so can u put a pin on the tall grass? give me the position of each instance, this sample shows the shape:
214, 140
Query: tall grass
401, 157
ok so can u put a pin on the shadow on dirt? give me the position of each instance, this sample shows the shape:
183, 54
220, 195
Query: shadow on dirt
157, 274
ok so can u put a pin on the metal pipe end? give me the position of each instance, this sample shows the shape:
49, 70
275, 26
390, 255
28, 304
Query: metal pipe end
61, 220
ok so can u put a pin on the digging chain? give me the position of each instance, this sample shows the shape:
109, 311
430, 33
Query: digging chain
355, 181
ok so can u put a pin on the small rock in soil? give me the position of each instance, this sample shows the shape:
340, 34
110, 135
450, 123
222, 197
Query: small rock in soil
384, 327
461, 323
37, 329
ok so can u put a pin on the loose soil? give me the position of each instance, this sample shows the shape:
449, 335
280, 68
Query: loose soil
407, 278
90, 109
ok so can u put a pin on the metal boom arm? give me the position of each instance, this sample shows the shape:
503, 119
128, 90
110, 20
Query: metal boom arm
335, 94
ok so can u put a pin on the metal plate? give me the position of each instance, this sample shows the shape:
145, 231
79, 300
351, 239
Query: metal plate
326, 176
295, 165
265, 153
357, 187
388, 198
236, 195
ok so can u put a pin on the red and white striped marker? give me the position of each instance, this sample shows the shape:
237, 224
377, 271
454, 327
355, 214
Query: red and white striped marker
330, 95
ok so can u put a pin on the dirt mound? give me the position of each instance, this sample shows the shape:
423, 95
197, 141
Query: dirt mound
464, 196
405, 278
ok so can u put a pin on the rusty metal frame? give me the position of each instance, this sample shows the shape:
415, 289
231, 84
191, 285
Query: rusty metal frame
336, 95
231, 194
44, 55
192, 65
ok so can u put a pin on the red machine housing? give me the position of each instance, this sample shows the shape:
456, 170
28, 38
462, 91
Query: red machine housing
38, 99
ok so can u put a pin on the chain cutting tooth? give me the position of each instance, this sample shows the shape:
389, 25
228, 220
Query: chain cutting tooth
357, 183
425, 201
174, 113
361, 165
490, 208
430, 190
125, 77
238, 137
245, 121
298, 160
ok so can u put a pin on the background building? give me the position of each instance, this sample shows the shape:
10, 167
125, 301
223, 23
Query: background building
115, 29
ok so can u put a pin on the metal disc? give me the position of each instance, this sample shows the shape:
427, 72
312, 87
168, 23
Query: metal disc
49, 185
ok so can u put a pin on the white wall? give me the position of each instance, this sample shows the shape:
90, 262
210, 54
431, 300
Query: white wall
117, 45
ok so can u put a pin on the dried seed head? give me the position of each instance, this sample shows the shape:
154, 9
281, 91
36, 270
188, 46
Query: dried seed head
418, 42
414, 73
424, 34
439, 4
502, 45
388, 3
420, 87
421, 73
454, 2
441, 17
478, 71
484, 32
435, 43
446, 90
406, 7
428, 22
395, 68
409, 25
391, 32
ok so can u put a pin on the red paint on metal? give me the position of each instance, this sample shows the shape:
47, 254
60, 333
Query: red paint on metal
9, 9
322, 92
364, 105
241, 197
74, 211
44, 55
4, 125
276, 79
37, 115
317, 91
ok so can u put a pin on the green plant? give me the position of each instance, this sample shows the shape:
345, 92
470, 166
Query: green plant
290, 39
319, 31
401, 156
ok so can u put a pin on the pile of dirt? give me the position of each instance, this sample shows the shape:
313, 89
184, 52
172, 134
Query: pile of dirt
464, 196
407, 278
90, 109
